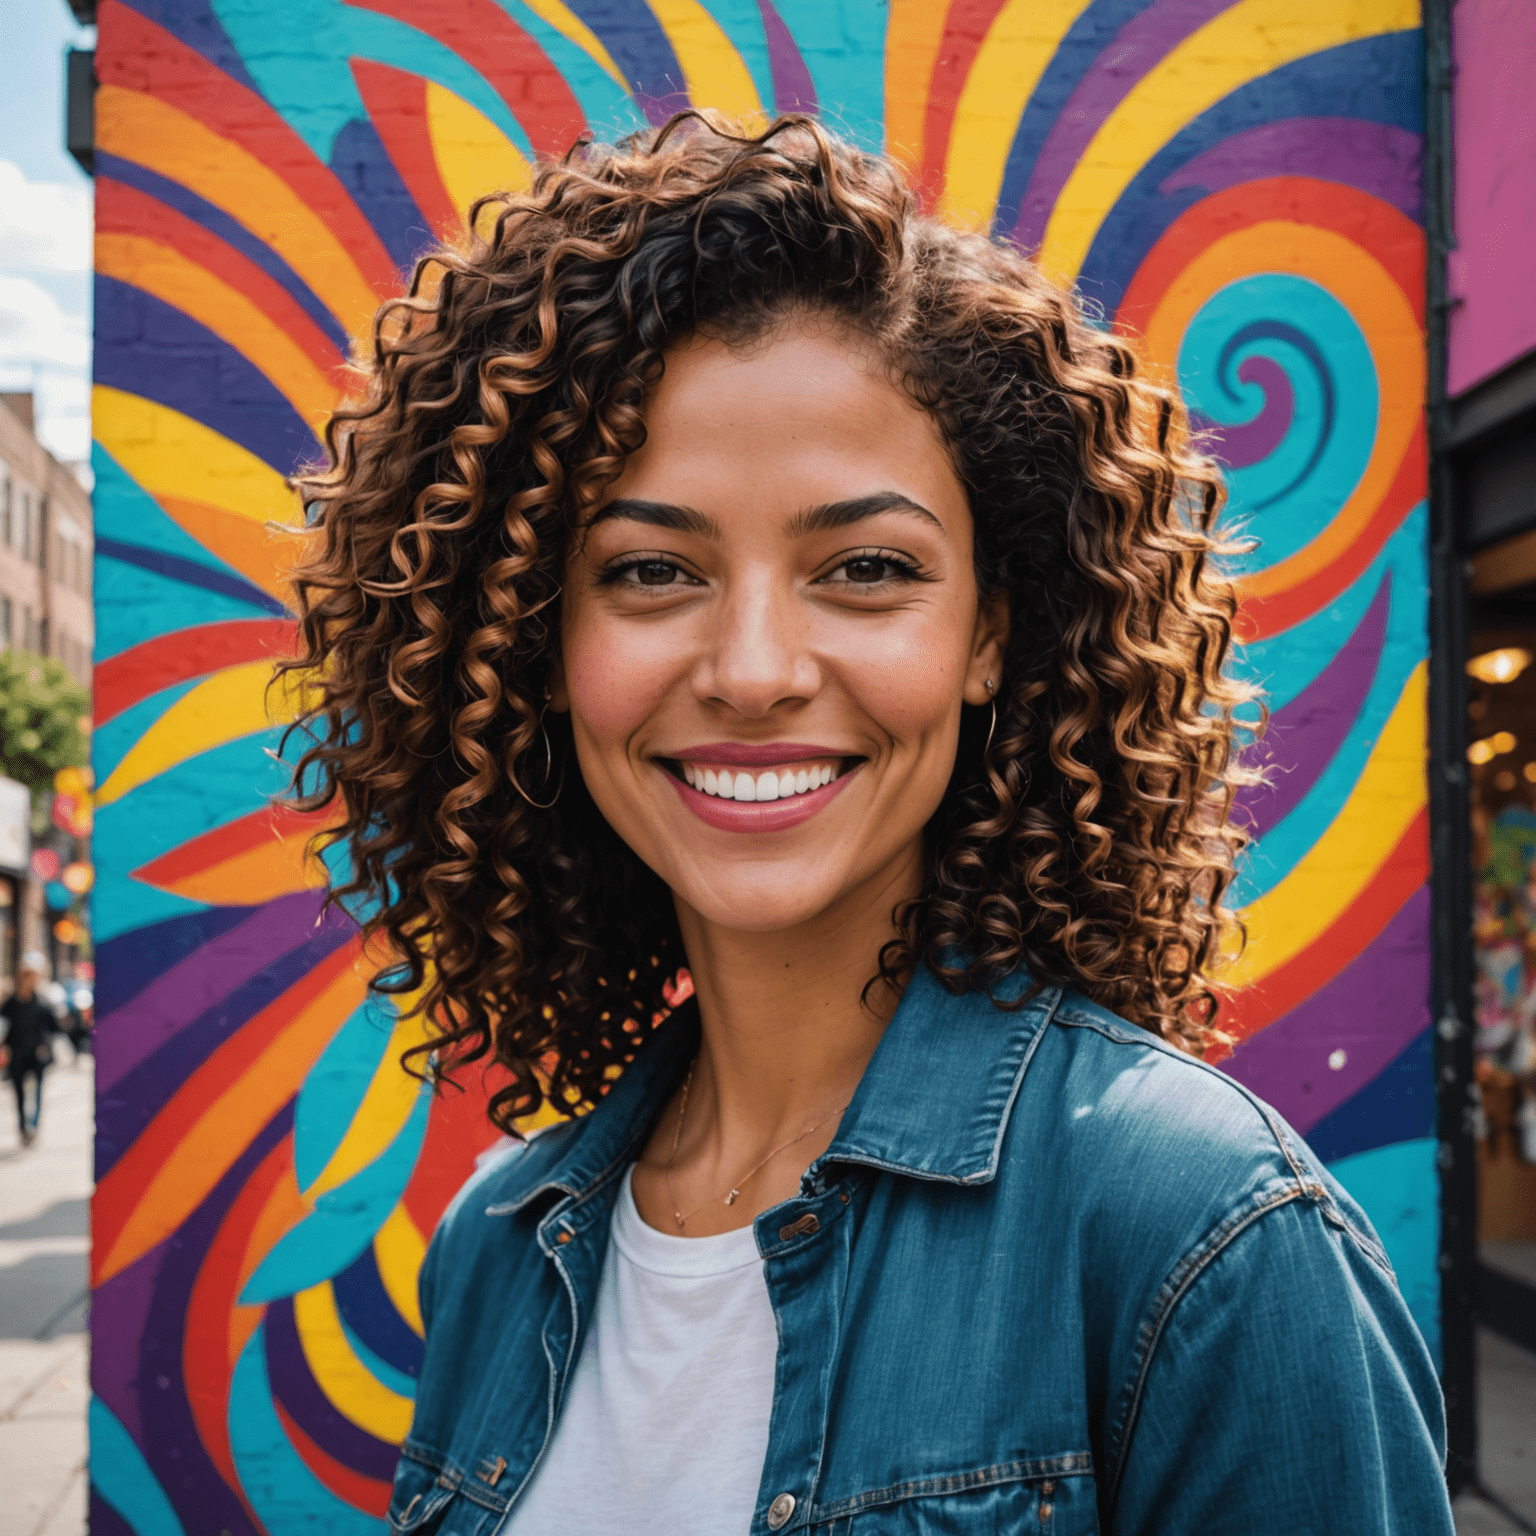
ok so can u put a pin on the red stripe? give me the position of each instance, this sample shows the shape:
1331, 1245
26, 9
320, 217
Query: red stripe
361, 1492
397, 107
1405, 869
267, 825
1377, 227
126, 210
206, 1366
119, 1192
965, 29
1263, 616
123, 680
519, 71
144, 57
458, 1131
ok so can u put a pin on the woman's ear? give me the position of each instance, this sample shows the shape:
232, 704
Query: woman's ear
555, 691
987, 648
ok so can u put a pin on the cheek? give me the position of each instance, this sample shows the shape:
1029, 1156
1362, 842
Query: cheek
911, 682
615, 681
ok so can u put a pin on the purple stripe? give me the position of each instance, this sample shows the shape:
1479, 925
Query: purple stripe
127, 1036
1370, 1011
1129, 55
138, 1325
1251, 441
301, 1395
119, 1312
1304, 735
1375, 158
793, 90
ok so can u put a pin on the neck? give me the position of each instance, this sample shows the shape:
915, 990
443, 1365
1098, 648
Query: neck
787, 1027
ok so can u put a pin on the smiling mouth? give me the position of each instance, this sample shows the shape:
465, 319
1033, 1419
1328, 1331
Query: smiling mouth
783, 782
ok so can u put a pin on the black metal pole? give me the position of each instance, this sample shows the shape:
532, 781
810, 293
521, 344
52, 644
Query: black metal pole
1450, 818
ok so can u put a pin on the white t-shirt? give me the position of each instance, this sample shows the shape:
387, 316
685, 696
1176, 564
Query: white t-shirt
665, 1422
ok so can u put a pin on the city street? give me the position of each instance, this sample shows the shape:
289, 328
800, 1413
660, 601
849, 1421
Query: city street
44, 1241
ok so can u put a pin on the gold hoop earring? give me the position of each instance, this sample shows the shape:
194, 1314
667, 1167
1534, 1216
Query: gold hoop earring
549, 764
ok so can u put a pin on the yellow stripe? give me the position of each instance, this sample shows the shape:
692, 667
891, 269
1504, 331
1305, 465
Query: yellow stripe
386, 1106
1021, 41
172, 455
151, 133
230, 704
398, 1249
713, 72
1318, 891
1253, 38
345, 1380
169, 276
570, 26
474, 157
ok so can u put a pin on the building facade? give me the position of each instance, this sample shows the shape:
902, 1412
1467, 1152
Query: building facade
45, 547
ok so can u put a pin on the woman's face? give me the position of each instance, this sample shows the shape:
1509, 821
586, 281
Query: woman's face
769, 628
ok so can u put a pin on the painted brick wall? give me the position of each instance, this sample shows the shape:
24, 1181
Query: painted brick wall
1237, 183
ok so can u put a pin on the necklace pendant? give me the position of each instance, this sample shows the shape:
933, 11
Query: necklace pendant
730, 1199
681, 1220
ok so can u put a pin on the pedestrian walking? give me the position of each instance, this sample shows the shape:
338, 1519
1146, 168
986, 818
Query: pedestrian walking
29, 1027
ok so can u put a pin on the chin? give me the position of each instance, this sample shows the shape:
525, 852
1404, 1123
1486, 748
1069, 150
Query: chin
782, 898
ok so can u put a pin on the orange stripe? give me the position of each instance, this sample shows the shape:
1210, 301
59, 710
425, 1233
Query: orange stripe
965, 30
913, 34
125, 210
144, 57
197, 1137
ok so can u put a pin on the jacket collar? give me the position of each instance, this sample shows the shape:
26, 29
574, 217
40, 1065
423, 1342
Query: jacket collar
933, 1103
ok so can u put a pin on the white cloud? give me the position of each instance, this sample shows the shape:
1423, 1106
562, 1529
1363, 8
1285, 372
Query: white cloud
48, 351
34, 328
45, 226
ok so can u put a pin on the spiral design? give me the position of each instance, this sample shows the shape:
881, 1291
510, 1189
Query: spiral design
268, 1178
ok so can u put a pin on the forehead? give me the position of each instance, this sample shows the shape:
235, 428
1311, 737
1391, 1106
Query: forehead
803, 416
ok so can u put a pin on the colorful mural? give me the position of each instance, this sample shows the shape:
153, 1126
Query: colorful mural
1236, 183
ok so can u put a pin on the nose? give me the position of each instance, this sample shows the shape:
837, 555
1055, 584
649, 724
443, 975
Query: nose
757, 654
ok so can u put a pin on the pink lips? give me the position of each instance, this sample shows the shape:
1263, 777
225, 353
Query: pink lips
758, 816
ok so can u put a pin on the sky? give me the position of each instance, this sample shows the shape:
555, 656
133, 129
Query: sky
45, 227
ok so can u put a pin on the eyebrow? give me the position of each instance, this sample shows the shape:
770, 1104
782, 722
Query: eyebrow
818, 519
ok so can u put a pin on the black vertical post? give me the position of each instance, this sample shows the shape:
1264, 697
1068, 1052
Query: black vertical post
1449, 805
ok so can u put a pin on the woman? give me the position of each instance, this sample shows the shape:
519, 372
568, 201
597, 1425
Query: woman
731, 568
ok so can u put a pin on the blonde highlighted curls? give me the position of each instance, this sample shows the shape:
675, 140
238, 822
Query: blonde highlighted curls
1090, 840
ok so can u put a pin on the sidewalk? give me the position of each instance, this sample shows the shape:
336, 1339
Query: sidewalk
44, 1238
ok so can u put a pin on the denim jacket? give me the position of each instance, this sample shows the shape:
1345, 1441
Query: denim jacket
1050, 1276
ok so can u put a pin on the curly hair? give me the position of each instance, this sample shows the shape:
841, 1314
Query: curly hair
1085, 831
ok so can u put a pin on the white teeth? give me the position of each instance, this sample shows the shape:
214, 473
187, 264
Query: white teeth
771, 785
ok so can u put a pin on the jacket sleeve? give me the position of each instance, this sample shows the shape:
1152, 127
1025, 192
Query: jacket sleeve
1288, 1390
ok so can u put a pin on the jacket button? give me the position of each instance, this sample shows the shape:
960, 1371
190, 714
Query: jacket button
780, 1510
562, 1237
806, 1224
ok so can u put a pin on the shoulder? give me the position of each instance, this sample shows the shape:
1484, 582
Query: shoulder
1160, 1148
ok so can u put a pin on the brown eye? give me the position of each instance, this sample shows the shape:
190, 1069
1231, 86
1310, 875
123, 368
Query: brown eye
655, 573
868, 570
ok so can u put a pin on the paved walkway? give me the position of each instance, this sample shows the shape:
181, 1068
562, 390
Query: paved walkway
44, 1239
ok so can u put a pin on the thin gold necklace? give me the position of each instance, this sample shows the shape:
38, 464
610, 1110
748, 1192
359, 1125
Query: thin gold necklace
733, 1193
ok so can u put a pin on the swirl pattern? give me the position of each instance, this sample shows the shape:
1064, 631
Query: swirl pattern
1233, 181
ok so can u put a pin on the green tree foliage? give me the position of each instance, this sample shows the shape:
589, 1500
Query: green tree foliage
44, 719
